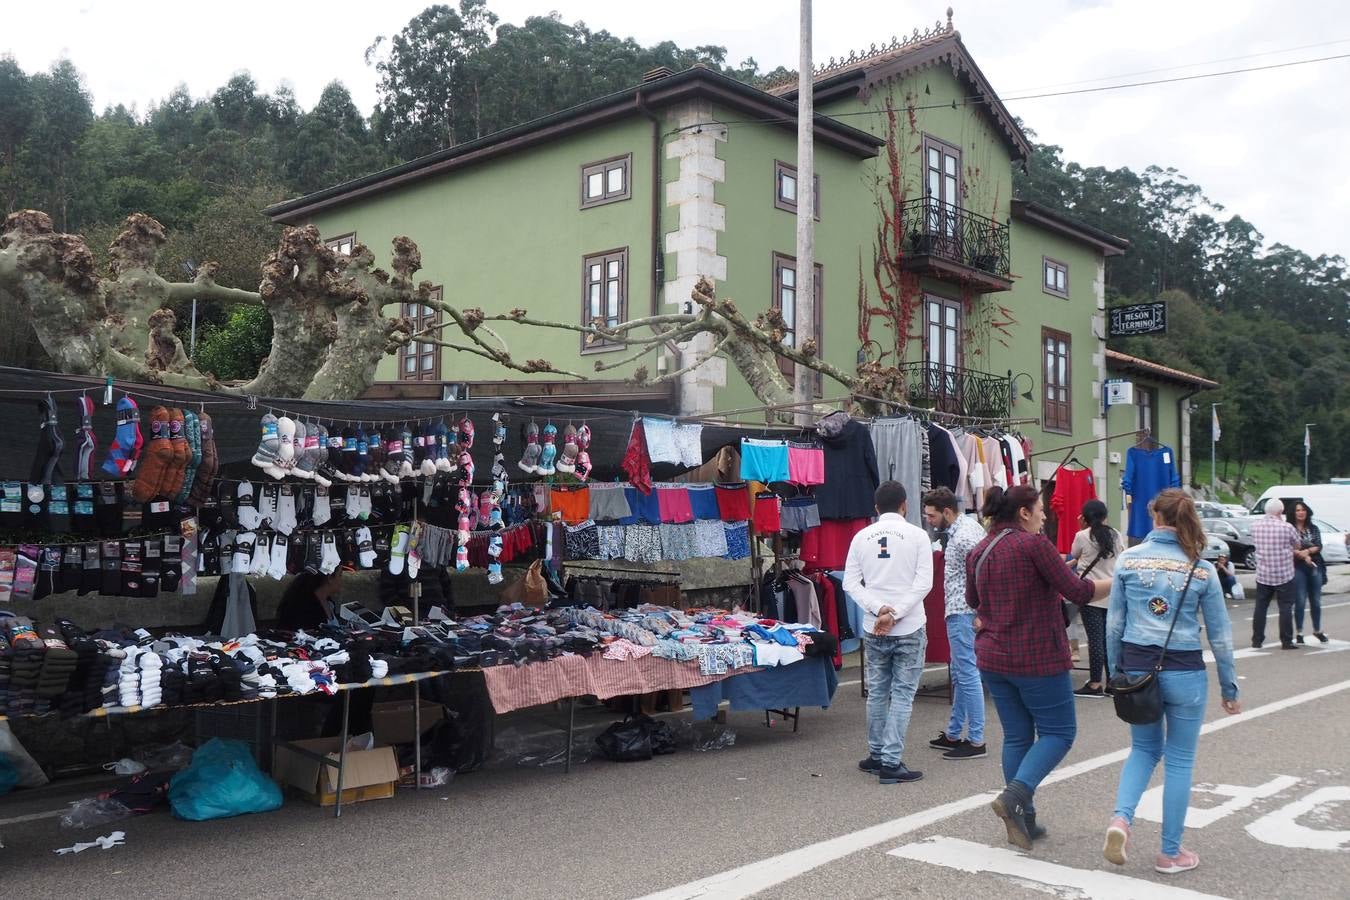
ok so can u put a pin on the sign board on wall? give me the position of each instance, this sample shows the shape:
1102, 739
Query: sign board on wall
1140, 318
1119, 392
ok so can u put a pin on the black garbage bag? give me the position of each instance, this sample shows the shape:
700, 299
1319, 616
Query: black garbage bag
637, 737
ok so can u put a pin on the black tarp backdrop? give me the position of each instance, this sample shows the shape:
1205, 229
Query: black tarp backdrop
237, 429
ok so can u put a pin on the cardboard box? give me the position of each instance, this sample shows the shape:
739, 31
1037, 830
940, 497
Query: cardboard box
392, 721
369, 775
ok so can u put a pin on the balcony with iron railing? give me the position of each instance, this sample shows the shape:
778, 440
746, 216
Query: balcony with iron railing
944, 241
952, 389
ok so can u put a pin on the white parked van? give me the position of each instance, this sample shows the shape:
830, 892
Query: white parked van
1329, 502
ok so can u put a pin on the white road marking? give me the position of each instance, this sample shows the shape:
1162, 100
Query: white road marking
1150, 805
1282, 828
1096, 884
33, 817
754, 877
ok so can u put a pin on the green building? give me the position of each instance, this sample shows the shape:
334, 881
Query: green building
612, 210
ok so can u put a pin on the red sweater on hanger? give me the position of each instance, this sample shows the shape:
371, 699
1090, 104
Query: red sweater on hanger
1073, 488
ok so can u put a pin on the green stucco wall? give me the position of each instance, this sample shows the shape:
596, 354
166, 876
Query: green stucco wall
756, 229
1017, 346
509, 233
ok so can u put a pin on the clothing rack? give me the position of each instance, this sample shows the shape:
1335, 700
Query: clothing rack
925, 412
1090, 441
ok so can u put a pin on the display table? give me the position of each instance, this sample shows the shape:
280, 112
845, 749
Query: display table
539, 683
809, 682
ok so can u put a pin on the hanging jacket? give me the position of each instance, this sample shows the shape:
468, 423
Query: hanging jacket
851, 477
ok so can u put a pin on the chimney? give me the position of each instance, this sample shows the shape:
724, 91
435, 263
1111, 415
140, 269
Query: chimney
656, 74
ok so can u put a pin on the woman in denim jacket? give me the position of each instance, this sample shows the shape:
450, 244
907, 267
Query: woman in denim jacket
1144, 597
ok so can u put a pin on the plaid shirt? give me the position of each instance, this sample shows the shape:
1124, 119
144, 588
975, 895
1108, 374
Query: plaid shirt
1020, 625
1275, 541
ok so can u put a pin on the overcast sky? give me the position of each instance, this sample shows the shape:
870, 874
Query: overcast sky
1267, 145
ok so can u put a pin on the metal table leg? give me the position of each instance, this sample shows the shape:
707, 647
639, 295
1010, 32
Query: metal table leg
417, 735
342, 751
571, 727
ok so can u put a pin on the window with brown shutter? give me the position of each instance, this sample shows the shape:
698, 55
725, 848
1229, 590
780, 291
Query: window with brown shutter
784, 300
606, 181
785, 189
420, 360
1055, 277
1057, 404
343, 243
604, 294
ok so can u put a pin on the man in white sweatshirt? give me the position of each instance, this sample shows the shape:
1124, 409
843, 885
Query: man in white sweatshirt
888, 573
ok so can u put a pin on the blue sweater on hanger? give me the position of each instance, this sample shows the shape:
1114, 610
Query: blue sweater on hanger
1147, 474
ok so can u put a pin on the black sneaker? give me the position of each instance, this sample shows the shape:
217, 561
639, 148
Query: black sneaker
1298, 639
1291, 646
1256, 645
942, 742
1088, 690
898, 774
967, 750
871, 765
1320, 636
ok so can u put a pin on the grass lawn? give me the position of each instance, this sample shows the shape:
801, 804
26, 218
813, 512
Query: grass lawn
1260, 474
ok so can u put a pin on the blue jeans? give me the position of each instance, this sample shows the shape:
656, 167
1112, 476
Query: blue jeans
1173, 738
1039, 724
1309, 585
968, 696
893, 668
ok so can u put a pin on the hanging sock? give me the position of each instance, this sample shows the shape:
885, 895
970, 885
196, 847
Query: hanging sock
125, 450
47, 461
85, 441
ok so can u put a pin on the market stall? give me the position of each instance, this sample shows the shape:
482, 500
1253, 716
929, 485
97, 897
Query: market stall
135, 492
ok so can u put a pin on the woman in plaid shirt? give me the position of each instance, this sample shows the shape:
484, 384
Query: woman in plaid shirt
1021, 647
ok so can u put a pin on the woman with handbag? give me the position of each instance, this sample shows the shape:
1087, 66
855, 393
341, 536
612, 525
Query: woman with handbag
1094, 554
1309, 572
1160, 593
1015, 581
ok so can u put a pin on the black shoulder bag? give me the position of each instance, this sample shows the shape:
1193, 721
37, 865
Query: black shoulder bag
1139, 698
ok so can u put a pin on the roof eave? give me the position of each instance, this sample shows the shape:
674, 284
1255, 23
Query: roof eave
1125, 362
1109, 244
697, 81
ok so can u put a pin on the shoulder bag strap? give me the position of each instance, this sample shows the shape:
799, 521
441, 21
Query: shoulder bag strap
1096, 559
1180, 602
979, 563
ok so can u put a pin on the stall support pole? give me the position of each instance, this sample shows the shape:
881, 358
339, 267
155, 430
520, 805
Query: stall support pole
342, 751
416, 592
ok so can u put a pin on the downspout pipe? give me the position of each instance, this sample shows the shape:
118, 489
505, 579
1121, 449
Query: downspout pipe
658, 266
1183, 435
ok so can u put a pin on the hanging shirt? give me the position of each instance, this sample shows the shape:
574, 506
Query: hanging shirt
946, 471
993, 463
1018, 459
1147, 474
1073, 488
975, 474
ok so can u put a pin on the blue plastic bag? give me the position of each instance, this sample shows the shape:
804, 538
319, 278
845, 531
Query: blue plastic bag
222, 781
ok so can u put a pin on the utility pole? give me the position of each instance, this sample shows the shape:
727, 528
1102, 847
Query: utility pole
804, 313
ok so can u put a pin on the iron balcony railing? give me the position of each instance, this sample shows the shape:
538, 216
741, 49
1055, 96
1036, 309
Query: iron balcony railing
947, 231
952, 389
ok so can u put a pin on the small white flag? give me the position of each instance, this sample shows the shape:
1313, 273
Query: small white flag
1214, 422
1307, 439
